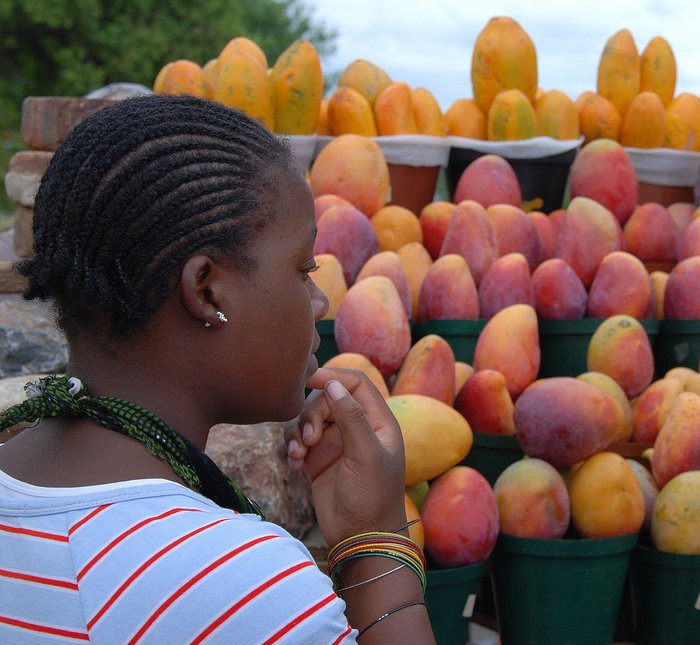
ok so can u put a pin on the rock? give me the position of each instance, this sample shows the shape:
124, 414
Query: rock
27, 167
30, 342
248, 455
12, 393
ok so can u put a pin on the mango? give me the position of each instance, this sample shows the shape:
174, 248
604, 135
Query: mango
683, 123
486, 404
659, 280
297, 82
606, 498
564, 420
658, 69
353, 167
427, 113
547, 232
182, 76
393, 110
533, 500
330, 279
689, 244
603, 171
471, 233
510, 344
621, 286
515, 232
652, 407
506, 282
415, 531
677, 446
355, 361
350, 113
599, 119
644, 125
620, 348
435, 436
649, 488
609, 385
460, 518
653, 236
682, 293
511, 117
619, 70
682, 214
559, 292
675, 523
504, 57
556, 116
323, 202
428, 369
395, 226
388, 264
365, 77
434, 220
243, 83
448, 291
464, 118
487, 180
681, 373
345, 232
416, 261
463, 372
589, 233
417, 493
372, 321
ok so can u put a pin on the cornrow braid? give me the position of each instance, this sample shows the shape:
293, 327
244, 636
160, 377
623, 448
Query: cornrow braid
135, 190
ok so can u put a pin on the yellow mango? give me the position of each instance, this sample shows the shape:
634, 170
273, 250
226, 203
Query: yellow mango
658, 69
297, 82
350, 113
393, 110
511, 117
435, 435
504, 57
244, 84
464, 118
644, 125
557, 116
427, 113
364, 77
619, 71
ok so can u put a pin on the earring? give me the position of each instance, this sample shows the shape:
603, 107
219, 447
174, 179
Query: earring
207, 324
222, 317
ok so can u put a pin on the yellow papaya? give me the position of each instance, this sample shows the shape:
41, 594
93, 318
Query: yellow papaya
619, 71
242, 83
350, 113
323, 127
644, 125
510, 117
160, 79
683, 123
427, 112
393, 110
599, 119
658, 69
557, 116
464, 118
435, 435
184, 77
297, 82
504, 57
364, 77
241, 45
209, 74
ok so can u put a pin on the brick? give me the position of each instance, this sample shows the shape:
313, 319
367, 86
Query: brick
10, 280
30, 162
22, 240
47, 120
21, 188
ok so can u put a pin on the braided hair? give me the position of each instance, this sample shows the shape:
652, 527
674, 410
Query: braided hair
133, 192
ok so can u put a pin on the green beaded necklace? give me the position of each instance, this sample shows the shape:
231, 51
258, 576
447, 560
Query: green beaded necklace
60, 396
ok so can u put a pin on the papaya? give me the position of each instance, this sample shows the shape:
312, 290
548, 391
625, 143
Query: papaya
618, 77
350, 113
297, 81
644, 125
241, 45
658, 69
364, 77
323, 127
183, 77
464, 118
427, 112
209, 74
511, 117
244, 84
599, 119
683, 123
393, 110
160, 79
435, 436
557, 116
504, 57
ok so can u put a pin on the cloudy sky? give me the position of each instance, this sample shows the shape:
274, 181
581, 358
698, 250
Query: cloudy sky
428, 43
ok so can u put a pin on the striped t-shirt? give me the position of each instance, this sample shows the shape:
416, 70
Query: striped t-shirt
151, 561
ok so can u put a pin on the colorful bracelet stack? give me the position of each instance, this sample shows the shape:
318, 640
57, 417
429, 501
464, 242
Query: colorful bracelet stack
377, 543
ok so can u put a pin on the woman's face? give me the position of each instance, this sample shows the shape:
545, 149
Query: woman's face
271, 334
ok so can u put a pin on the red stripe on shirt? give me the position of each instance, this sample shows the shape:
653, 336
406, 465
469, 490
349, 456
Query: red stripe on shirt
87, 518
32, 533
300, 618
340, 638
247, 598
126, 534
44, 629
166, 549
193, 580
53, 582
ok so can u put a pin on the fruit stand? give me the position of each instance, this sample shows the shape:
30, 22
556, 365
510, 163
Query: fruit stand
536, 332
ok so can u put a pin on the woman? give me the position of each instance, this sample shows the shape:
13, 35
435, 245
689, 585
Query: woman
174, 238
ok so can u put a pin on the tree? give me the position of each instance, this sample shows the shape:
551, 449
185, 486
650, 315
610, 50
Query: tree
70, 47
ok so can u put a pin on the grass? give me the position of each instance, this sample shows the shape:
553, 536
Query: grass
10, 142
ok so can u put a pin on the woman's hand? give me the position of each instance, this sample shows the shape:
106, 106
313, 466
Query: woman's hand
349, 445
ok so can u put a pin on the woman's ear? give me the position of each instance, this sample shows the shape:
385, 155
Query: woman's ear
199, 289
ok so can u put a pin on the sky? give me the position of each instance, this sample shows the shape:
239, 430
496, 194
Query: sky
429, 43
